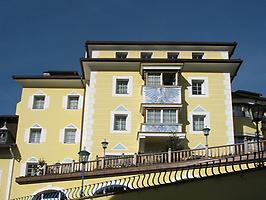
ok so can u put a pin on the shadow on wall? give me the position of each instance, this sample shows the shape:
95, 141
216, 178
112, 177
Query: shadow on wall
183, 117
237, 186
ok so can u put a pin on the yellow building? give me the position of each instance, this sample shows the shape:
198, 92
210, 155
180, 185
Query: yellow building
245, 129
139, 96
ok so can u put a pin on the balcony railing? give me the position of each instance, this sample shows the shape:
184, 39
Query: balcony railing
161, 94
161, 128
138, 160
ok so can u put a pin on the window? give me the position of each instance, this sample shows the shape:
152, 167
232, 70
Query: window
72, 102
169, 116
197, 56
197, 87
198, 122
241, 111
70, 136
146, 55
121, 55
35, 135
158, 116
172, 55
122, 86
38, 102
120, 122
156, 79
31, 169
154, 116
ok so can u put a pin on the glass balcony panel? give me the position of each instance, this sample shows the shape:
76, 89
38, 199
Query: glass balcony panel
161, 95
161, 128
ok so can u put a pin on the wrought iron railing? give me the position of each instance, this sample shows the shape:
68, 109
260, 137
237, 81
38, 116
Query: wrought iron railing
137, 160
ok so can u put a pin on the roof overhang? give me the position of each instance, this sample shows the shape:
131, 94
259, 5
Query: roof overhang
50, 82
187, 65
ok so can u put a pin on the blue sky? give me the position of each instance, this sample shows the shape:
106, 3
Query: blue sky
49, 35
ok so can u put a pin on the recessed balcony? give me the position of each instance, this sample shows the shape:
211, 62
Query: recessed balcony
163, 96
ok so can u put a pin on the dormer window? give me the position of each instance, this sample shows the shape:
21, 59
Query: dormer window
121, 55
146, 55
197, 56
172, 55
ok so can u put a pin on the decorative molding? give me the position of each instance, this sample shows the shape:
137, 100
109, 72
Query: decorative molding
129, 86
128, 119
199, 110
205, 86
119, 147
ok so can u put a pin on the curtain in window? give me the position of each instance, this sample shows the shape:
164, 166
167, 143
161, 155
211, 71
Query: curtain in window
121, 86
154, 116
38, 102
35, 135
169, 116
154, 79
198, 122
120, 122
70, 136
73, 102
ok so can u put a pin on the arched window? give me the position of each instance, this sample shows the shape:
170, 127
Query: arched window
111, 189
50, 195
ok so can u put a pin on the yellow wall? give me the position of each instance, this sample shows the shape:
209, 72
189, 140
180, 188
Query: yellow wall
158, 54
4, 167
52, 119
105, 103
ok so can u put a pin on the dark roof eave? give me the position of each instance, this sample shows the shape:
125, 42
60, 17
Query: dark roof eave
160, 43
19, 77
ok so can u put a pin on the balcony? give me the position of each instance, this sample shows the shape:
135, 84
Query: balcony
161, 130
161, 96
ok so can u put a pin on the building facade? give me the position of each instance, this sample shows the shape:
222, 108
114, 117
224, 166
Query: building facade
136, 95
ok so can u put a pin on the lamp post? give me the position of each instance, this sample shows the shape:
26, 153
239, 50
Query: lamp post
83, 158
257, 111
104, 145
206, 132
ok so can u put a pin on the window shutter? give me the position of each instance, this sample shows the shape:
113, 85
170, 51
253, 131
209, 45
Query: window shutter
64, 103
77, 137
61, 136
43, 135
47, 102
27, 135
30, 102
22, 169
80, 104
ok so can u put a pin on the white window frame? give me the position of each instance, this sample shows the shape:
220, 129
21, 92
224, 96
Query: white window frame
24, 168
62, 134
28, 131
205, 87
161, 117
161, 78
72, 94
129, 87
206, 119
46, 101
128, 121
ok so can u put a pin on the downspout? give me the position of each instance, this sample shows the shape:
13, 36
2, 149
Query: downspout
10, 175
82, 115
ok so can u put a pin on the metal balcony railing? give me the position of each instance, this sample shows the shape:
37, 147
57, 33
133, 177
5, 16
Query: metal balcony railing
161, 94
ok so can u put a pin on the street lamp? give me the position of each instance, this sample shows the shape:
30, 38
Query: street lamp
206, 132
104, 145
83, 158
3, 134
257, 111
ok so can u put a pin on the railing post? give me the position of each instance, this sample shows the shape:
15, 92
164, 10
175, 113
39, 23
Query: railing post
97, 161
73, 166
135, 159
169, 155
44, 168
102, 163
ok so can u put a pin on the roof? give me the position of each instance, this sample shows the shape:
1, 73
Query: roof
248, 95
231, 45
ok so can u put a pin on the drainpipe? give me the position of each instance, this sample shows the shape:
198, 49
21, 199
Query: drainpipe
82, 115
10, 174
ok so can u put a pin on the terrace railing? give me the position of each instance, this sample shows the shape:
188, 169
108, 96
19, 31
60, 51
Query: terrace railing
138, 160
